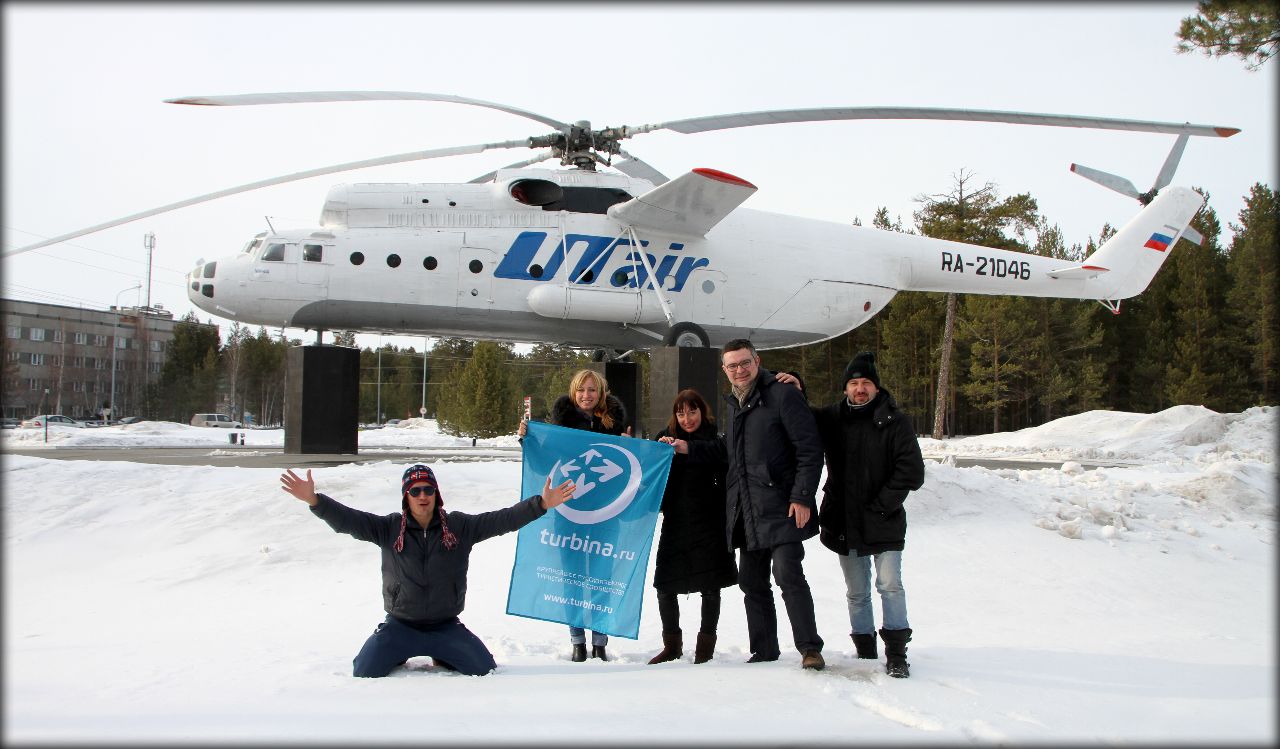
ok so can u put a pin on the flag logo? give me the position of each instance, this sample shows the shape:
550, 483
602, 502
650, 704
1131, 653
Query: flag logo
1158, 241
601, 493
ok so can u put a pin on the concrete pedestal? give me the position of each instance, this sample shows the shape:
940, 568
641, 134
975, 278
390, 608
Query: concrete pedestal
624, 384
322, 398
674, 368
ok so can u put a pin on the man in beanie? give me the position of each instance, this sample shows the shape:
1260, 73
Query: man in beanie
873, 462
425, 552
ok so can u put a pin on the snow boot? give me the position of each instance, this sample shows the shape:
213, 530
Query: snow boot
705, 646
895, 651
597, 651
579, 653
672, 648
865, 645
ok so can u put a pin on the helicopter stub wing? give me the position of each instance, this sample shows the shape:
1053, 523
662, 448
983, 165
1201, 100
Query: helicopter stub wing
688, 205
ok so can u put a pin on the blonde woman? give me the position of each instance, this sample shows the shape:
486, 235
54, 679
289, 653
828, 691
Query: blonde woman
589, 407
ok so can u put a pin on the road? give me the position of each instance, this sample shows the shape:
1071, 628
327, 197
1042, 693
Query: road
275, 457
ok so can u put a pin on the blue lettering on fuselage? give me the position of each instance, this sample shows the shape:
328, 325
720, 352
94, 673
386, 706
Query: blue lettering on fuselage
522, 261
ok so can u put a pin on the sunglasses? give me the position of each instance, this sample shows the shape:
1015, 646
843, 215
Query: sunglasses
417, 491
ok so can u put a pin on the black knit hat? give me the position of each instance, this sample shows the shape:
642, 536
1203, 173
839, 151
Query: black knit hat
412, 475
863, 365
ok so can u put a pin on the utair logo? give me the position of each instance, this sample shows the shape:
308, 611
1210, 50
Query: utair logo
529, 260
606, 483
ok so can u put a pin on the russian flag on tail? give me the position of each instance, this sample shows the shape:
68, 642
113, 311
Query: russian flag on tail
1159, 242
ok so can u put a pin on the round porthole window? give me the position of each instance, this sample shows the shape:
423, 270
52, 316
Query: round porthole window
357, 258
393, 261
535, 270
708, 286
476, 266
429, 263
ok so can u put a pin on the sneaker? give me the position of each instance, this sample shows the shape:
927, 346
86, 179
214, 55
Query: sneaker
813, 661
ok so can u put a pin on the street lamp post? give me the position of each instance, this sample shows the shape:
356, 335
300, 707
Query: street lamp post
115, 326
422, 411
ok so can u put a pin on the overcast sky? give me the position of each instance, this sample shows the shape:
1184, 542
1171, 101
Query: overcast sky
87, 137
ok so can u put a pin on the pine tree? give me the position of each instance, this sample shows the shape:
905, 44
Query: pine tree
975, 217
1254, 296
1248, 29
1201, 369
483, 403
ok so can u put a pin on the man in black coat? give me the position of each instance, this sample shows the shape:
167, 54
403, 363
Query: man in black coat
873, 462
425, 553
775, 459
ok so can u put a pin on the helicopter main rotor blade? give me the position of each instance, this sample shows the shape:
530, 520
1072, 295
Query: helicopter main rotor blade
541, 156
633, 167
779, 116
306, 97
380, 161
1108, 180
1170, 163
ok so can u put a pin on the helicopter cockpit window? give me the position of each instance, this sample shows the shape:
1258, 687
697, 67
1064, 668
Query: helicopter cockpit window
312, 253
274, 253
252, 245
588, 199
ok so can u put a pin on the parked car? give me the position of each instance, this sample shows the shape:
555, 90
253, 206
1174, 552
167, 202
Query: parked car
12, 423
392, 422
54, 420
130, 420
215, 420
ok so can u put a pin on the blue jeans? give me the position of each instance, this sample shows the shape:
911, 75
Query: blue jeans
394, 642
578, 636
893, 598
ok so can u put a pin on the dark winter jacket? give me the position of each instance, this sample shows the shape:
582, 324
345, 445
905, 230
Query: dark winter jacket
425, 583
775, 458
566, 414
692, 555
873, 462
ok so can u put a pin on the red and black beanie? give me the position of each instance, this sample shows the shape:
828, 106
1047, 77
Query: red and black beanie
414, 474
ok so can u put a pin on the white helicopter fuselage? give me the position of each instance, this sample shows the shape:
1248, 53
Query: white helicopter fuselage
495, 261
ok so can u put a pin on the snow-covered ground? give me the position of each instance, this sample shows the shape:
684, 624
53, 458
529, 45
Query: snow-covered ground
203, 604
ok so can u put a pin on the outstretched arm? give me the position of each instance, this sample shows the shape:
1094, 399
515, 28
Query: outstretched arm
304, 489
364, 526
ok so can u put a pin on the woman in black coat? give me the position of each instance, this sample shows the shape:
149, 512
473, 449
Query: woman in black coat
692, 554
589, 407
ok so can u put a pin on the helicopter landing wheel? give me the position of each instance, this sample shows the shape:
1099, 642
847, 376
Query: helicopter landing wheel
686, 334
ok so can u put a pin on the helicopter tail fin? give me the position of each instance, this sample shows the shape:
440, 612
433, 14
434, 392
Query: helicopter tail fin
1131, 258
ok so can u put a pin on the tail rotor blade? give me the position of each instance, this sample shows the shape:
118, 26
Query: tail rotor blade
1170, 163
1108, 180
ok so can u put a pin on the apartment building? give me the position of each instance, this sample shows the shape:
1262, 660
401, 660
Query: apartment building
59, 359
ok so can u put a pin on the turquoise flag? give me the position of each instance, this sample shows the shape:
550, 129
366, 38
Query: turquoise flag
584, 562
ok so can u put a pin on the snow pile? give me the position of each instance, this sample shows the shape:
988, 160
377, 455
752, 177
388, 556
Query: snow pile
1192, 433
1060, 605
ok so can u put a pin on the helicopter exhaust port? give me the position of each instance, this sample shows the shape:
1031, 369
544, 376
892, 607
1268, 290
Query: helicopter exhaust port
537, 192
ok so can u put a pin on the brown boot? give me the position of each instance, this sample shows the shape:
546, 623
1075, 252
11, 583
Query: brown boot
812, 660
705, 646
672, 648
